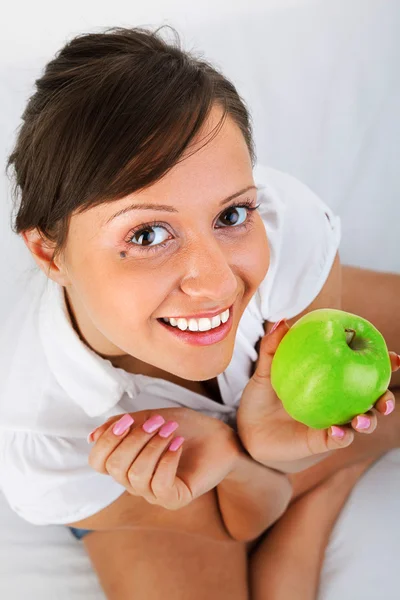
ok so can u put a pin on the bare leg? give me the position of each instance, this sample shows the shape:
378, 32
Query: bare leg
142, 564
286, 563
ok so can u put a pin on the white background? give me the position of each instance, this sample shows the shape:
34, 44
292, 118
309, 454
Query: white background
320, 78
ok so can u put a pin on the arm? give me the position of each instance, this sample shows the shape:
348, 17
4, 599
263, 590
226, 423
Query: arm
251, 498
266, 431
371, 295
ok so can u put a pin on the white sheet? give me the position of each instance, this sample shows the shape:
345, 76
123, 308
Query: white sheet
48, 563
43, 563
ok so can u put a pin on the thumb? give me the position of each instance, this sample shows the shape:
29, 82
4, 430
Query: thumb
268, 346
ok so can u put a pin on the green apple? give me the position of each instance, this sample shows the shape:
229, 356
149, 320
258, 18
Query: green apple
330, 366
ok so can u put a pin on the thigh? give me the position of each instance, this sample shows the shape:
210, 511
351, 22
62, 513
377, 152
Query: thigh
153, 564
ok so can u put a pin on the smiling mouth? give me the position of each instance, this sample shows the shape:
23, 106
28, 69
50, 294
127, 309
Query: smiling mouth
201, 338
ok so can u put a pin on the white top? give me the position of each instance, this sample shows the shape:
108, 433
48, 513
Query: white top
54, 389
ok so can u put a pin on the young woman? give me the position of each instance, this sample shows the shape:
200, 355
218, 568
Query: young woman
165, 254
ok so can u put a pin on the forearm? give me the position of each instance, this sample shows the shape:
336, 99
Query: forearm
375, 296
251, 498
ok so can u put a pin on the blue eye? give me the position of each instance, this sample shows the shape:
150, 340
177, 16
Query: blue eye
145, 233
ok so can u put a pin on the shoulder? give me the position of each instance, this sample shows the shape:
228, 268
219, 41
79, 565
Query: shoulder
330, 295
22, 361
303, 235
286, 192
26, 382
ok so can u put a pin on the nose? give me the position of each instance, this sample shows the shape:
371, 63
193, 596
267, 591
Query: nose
208, 272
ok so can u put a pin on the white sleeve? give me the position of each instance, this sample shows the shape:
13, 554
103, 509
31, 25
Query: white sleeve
303, 236
47, 480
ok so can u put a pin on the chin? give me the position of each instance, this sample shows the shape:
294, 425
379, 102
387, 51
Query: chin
196, 374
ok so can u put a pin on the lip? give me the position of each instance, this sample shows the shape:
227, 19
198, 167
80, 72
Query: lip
202, 338
204, 315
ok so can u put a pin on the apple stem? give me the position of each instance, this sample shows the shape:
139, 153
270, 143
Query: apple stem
350, 335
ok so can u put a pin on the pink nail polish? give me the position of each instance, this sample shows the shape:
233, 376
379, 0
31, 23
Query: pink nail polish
276, 326
153, 423
337, 432
389, 407
123, 424
168, 428
363, 422
176, 443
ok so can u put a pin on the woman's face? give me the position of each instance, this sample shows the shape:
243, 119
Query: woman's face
197, 259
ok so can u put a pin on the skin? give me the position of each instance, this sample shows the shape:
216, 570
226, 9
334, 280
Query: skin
115, 301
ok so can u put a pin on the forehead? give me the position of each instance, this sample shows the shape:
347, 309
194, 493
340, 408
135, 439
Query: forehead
210, 170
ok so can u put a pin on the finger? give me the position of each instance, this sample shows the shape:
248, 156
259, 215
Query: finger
334, 438
126, 453
365, 423
269, 343
394, 361
386, 403
108, 441
164, 482
96, 433
144, 466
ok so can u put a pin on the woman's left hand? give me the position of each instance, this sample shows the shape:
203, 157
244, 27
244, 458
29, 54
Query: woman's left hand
272, 437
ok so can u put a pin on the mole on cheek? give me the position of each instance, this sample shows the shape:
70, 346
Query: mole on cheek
122, 254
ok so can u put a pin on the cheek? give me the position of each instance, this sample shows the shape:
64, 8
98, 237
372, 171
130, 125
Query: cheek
128, 299
255, 254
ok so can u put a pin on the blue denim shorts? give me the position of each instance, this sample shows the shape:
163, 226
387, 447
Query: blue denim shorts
79, 533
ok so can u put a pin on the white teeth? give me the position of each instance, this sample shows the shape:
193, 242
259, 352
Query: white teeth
225, 316
182, 324
215, 321
202, 324
193, 325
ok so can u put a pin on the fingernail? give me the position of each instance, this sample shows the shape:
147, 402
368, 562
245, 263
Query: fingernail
89, 437
398, 359
176, 443
276, 326
123, 424
389, 407
363, 422
153, 423
337, 432
168, 428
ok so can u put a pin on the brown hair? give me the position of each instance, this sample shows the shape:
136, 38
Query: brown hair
112, 113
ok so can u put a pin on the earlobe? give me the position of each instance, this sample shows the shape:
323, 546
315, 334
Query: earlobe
42, 251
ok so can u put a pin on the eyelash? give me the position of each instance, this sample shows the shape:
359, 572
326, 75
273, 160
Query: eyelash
141, 228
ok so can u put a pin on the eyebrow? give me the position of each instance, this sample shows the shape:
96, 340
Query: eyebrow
166, 208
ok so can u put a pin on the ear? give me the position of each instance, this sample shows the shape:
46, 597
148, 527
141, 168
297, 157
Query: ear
42, 251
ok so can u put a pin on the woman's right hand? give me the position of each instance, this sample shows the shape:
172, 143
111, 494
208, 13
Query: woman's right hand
143, 464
